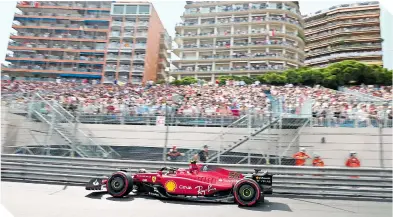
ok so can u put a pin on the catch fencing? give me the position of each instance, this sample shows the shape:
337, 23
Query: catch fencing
369, 183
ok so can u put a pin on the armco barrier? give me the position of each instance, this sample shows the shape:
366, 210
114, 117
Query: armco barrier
326, 181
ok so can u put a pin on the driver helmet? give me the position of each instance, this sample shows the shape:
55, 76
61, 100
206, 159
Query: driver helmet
316, 156
193, 161
352, 153
141, 171
302, 150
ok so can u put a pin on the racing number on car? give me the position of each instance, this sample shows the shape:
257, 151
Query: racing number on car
234, 175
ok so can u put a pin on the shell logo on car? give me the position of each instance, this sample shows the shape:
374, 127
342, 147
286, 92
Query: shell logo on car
153, 179
170, 186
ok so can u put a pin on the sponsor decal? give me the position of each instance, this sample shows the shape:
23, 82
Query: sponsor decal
220, 180
144, 180
170, 186
185, 187
234, 175
204, 168
153, 179
202, 191
96, 182
205, 179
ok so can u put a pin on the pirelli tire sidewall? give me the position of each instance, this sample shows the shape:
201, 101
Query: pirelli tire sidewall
247, 192
120, 184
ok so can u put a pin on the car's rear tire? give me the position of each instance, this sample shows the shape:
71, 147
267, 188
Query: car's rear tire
119, 184
247, 192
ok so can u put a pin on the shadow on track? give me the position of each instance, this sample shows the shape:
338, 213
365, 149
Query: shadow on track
268, 206
96, 195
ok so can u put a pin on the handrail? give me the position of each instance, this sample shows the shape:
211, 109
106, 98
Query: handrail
88, 131
72, 124
58, 131
227, 129
295, 138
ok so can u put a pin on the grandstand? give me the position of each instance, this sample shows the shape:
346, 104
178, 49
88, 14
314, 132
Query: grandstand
265, 113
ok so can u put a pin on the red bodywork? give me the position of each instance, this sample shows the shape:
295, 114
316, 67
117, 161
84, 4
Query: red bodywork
193, 182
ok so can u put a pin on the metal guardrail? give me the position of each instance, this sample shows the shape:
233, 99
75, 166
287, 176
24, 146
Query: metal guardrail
316, 181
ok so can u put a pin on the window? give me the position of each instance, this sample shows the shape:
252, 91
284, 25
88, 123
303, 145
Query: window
131, 9
118, 9
144, 9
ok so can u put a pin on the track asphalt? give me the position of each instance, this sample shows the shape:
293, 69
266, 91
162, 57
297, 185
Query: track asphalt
45, 200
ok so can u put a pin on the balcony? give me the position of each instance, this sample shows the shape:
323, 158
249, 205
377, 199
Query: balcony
223, 44
349, 23
67, 5
355, 46
238, 69
52, 58
144, 24
346, 55
114, 46
225, 8
141, 34
57, 47
242, 57
255, 20
138, 69
125, 57
45, 69
116, 23
115, 35
347, 15
139, 58
334, 33
126, 46
129, 24
110, 68
74, 16
128, 34
62, 37
111, 57
124, 68
140, 46
72, 27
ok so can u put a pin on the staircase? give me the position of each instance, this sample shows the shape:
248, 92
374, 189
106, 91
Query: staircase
230, 146
66, 125
239, 123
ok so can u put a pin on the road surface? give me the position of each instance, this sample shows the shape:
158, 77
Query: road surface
43, 200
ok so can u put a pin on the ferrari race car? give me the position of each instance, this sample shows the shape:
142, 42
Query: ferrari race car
197, 183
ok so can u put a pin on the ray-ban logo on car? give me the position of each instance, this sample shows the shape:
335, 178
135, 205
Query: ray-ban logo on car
202, 191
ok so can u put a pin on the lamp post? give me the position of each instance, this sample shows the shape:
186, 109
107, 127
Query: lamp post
166, 112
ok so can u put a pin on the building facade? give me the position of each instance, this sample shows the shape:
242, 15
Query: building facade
238, 38
85, 40
136, 42
344, 32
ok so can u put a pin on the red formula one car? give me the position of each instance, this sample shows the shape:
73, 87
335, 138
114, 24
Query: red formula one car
197, 183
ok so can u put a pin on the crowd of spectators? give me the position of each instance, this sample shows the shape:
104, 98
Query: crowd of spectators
232, 99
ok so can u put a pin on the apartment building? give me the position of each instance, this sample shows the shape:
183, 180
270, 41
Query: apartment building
85, 40
344, 32
138, 44
238, 38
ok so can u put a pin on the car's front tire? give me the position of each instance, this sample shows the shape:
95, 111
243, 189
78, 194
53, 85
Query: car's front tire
119, 184
247, 192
